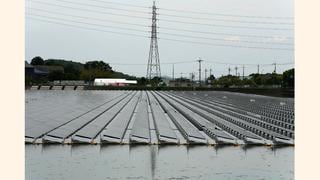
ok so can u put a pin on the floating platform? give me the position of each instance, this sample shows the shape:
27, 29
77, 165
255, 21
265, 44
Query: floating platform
157, 117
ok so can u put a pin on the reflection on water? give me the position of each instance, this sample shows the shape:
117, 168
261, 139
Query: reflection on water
153, 159
93, 162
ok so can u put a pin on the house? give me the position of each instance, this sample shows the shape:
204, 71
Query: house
33, 72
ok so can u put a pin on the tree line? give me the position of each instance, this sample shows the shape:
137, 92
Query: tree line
75, 70
286, 80
99, 69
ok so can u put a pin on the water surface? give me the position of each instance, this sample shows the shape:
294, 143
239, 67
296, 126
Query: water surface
95, 162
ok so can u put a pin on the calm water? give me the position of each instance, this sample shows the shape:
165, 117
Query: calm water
94, 162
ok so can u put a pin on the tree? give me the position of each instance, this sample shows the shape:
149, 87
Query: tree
56, 75
155, 81
71, 73
288, 78
226, 81
142, 81
90, 75
98, 65
211, 79
96, 69
37, 61
249, 82
182, 79
258, 79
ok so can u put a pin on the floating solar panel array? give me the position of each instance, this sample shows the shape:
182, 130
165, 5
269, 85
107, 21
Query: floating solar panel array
57, 87
157, 117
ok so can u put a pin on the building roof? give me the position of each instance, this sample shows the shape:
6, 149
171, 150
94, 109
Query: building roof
49, 68
37, 71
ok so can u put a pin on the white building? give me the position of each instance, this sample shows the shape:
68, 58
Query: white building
113, 82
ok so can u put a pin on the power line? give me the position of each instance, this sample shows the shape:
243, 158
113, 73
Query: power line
224, 63
288, 63
89, 10
127, 64
227, 26
227, 20
144, 12
227, 15
224, 45
172, 34
143, 64
87, 28
179, 62
142, 25
92, 5
85, 17
91, 24
175, 10
121, 4
217, 39
209, 62
227, 64
227, 34
192, 12
146, 7
167, 20
176, 40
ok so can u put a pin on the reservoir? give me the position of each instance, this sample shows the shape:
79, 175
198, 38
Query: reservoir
95, 162
157, 135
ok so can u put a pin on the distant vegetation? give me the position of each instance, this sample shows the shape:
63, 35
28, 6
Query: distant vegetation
100, 69
76, 70
258, 80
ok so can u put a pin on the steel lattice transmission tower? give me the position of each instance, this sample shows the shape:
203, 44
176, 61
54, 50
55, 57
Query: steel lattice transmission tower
153, 69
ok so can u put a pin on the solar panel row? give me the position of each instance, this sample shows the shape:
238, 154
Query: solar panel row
157, 116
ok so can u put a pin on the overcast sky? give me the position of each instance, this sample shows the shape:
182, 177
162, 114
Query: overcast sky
79, 42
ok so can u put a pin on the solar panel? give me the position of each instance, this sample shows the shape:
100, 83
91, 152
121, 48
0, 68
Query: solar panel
140, 130
74, 125
210, 128
162, 125
187, 129
92, 129
46, 110
114, 132
119, 116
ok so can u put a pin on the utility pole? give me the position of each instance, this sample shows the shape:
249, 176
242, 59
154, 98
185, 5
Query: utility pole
173, 72
210, 72
192, 78
199, 71
236, 68
90, 83
275, 67
229, 69
242, 72
205, 76
258, 68
153, 69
